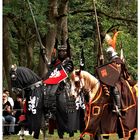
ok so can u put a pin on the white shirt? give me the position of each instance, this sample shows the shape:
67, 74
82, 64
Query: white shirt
11, 101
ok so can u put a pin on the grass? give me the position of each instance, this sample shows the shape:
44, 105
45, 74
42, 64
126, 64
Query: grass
50, 137
55, 137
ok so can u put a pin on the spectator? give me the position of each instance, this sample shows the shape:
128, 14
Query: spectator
10, 99
7, 114
18, 109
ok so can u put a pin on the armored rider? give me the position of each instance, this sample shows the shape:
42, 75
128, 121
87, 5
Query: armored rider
55, 99
115, 59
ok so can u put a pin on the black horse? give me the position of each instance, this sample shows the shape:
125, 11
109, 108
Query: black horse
33, 89
38, 99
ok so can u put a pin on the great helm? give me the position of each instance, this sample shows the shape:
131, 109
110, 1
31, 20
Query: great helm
65, 47
111, 52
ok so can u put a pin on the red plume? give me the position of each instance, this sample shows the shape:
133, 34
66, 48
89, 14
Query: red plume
112, 41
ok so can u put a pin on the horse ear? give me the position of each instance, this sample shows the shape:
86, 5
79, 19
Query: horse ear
14, 67
78, 72
68, 48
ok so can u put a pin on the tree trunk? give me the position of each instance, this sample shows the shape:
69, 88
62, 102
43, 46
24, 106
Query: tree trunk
6, 51
62, 27
21, 54
51, 35
29, 52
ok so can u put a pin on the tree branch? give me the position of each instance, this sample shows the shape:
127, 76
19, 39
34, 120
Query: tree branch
100, 13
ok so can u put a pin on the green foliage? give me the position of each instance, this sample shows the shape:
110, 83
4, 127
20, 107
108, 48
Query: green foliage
82, 30
81, 27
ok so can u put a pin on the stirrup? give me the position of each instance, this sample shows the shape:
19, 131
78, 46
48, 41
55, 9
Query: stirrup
117, 110
51, 116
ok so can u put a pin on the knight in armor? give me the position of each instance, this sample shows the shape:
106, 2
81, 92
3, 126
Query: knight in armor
115, 59
56, 101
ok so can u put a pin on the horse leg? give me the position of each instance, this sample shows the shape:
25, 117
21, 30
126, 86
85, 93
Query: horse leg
21, 133
44, 134
106, 137
44, 126
97, 137
132, 136
91, 138
36, 134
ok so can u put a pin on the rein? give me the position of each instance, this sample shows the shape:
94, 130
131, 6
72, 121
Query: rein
35, 85
83, 84
32, 87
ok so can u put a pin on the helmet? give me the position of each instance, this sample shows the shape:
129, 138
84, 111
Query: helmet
62, 52
13, 73
111, 52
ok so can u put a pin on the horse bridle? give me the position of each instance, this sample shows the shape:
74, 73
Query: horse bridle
78, 83
13, 76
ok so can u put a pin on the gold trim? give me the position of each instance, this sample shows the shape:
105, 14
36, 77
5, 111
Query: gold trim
132, 93
98, 111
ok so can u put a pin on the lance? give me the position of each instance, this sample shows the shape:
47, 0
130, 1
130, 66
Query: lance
82, 59
121, 54
100, 51
42, 48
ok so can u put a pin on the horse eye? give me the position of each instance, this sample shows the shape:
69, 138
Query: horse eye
77, 83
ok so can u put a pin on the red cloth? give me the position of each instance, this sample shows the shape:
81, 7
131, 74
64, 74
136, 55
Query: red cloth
25, 108
56, 76
22, 118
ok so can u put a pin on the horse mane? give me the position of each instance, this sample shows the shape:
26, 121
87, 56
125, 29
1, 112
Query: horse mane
89, 80
25, 77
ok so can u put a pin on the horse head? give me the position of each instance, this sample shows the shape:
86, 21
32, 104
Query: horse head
13, 74
76, 83
22, 77
82, 81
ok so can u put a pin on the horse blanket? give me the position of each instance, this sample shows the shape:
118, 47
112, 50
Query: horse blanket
33, 93
99, 115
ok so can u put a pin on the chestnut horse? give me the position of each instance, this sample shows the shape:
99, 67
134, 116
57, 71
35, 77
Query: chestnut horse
99, 116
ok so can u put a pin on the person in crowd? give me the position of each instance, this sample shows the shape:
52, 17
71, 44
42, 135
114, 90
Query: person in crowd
18, 109
7, 114
10, 99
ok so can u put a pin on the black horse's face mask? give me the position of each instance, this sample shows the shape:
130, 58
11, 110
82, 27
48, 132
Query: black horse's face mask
14, 76
13, 73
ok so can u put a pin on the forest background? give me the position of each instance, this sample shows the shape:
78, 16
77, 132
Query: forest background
64, 19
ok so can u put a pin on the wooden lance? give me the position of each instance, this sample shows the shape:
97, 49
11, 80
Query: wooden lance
100, 57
